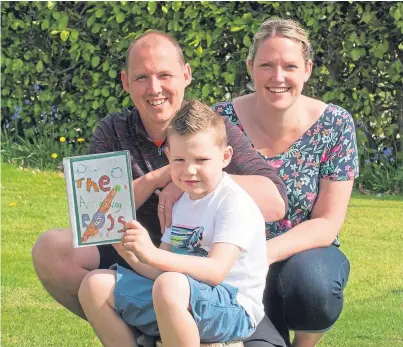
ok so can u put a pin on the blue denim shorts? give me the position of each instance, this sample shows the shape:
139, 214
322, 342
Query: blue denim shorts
218, 316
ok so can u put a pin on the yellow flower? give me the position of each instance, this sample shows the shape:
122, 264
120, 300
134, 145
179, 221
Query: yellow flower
12, 204
54, 155
80, 139
62, 139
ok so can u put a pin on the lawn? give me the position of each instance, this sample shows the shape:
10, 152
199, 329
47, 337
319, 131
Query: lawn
35, 201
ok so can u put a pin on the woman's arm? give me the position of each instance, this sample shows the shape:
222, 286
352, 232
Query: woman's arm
327, 218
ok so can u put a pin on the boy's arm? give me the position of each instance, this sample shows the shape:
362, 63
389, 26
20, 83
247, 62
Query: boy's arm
142, 269
211, 270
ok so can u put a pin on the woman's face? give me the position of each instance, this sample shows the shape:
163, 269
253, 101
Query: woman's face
279, 72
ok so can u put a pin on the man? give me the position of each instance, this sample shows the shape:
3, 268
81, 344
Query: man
155, 76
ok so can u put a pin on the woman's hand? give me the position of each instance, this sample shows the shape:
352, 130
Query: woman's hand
167, 198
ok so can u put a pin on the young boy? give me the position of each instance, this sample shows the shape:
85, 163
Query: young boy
206, 281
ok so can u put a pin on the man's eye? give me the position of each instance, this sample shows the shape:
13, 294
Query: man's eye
140, 78
291, 66
166, 75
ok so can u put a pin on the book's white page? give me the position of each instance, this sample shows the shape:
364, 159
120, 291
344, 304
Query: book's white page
102, 196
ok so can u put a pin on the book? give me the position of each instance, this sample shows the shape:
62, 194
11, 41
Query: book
100, 197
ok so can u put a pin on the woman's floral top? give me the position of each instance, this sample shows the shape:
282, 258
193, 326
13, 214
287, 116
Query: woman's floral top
327, 150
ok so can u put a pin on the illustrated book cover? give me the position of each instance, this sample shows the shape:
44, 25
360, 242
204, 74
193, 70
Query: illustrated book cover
100, 197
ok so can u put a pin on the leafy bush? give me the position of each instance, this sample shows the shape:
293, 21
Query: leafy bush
61, 61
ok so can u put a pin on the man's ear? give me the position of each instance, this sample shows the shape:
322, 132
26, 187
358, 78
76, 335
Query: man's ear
125, 81
227, 156
188, 74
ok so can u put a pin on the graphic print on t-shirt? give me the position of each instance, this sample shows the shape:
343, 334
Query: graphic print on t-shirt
187, 240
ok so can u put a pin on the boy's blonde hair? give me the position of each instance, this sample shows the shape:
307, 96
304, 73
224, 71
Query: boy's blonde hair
195, 117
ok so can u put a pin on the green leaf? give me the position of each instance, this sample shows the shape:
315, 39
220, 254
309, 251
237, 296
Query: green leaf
151, 7
397, 14
74, 35
176, 5
246, 40
199, 50
381, 49
99, 13
126, 101
95, 61
206, 90
236, 28
105, 66
357, 53
56, 15
105, 92
45, 24
120, 17
51, 4
209, 39
112, 73
90, 21
64, 35
164, 9
39, 66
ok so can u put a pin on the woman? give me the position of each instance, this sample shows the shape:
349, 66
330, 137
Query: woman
312, 146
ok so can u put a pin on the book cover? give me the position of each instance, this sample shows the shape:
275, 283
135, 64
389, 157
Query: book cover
100, 197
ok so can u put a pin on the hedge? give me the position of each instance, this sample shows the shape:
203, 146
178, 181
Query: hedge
61, 61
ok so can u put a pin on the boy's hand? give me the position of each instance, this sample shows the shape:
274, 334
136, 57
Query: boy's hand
137, 240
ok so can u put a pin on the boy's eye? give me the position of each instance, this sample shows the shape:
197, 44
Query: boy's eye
178, 159
203, 159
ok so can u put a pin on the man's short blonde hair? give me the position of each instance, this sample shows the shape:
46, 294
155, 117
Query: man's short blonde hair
195, 117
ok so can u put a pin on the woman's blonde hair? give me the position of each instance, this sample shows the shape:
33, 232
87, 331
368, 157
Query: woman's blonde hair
281, 27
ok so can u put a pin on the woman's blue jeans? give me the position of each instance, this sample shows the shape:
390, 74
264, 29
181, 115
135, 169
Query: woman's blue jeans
305, 292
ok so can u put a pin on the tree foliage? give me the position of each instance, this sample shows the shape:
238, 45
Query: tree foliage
61, 61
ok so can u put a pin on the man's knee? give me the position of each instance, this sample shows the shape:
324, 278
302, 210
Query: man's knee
50, 244
170, 288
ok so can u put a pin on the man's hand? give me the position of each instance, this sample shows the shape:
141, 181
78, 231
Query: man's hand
167, 198
137, 240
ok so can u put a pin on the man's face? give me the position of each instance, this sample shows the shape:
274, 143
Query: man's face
196, 162
156, 80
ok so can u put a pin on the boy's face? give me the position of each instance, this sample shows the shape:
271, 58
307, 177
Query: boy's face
196, 162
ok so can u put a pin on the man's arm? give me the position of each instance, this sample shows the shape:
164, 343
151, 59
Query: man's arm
252, 172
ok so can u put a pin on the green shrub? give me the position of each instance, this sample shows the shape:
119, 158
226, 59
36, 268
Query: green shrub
61, 61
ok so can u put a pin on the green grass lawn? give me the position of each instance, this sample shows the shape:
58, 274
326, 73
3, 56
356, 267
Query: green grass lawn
35, 201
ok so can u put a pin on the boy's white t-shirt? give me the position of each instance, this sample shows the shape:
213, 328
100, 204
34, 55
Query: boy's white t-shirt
227, 214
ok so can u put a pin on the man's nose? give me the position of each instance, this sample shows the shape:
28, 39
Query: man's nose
154, 86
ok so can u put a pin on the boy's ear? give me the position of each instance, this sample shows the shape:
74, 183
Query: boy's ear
166, 151
227, 156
